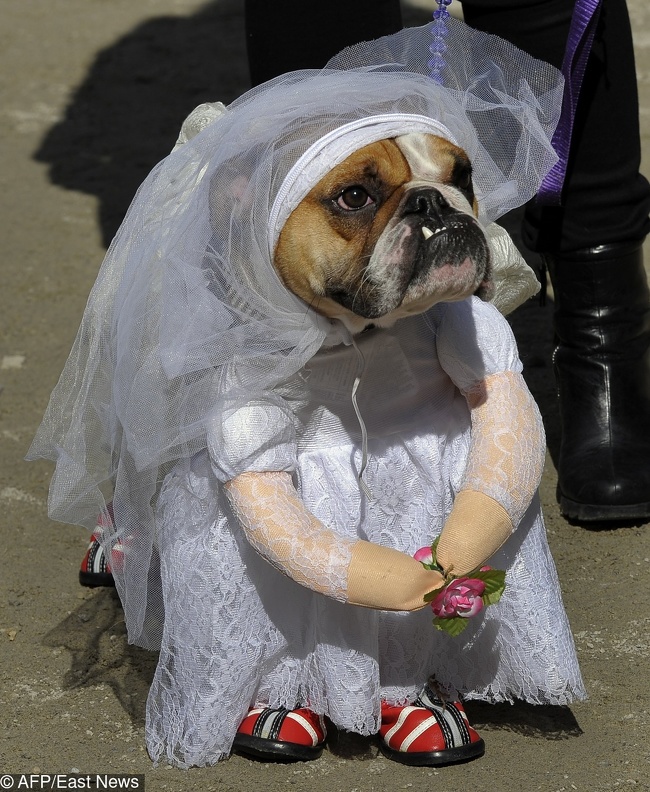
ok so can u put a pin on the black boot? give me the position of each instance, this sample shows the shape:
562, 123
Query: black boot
602, 367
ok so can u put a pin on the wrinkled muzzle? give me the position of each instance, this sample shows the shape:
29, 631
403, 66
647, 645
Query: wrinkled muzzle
431, 252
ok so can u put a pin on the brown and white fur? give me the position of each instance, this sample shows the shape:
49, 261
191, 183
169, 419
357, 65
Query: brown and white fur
387, 233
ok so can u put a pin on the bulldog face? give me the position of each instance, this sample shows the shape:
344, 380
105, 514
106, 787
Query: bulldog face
388, 232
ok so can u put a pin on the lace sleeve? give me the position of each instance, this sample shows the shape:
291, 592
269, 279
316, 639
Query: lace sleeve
282, 530
506, 457
506, 460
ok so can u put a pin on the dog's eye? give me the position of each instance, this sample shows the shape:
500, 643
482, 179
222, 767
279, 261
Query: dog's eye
354, 198
463, 177
465, 180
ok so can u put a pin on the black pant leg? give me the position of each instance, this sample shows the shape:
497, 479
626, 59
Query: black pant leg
287, 35
606, 199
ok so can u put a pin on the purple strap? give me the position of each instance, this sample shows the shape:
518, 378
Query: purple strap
581, 36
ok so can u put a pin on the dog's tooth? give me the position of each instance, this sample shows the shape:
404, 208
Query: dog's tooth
427, 233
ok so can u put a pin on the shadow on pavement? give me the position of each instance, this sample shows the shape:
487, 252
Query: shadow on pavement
95, 636
125, 115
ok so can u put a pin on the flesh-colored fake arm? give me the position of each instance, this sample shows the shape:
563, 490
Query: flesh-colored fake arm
282, 530
505, 464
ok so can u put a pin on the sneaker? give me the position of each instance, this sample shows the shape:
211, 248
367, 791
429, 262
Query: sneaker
281, 734
428, 732
95, 568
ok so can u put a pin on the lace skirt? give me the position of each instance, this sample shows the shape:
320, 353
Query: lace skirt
237, 632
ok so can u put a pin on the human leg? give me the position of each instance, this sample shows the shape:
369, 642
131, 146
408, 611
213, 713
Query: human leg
293, 34
593, 246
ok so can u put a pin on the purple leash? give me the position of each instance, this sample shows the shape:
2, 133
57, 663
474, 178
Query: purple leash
581, 37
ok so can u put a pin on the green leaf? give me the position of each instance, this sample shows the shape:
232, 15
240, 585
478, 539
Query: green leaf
433, 594
454, 626
495, 584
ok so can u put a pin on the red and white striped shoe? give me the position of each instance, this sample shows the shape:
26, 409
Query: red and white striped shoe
96, 569
428, 732
281, 734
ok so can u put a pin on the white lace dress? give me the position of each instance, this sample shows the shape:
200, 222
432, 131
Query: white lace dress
238, 632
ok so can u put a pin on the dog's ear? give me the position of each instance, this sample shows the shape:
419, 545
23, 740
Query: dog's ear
237, 188
230, 194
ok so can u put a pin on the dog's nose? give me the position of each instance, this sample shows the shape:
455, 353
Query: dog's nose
425, 201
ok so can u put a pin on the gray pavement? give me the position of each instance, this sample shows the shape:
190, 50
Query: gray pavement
92, 93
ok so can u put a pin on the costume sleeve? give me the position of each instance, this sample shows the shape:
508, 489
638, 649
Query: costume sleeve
253, 452
259, 435
280, 528
507, 449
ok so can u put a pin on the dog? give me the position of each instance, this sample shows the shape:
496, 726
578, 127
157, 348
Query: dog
288, 371
386, 234
380, 239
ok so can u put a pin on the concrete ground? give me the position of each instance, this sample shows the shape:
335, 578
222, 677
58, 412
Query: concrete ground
92, 93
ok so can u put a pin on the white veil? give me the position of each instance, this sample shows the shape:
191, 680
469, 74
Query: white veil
187, 318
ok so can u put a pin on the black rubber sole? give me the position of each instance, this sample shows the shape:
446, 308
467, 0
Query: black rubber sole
275, 750
96, 579
593, 512
464, 753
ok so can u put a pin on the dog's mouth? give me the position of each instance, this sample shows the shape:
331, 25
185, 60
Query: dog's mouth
427, 233
433, 252
451, 226
431, 249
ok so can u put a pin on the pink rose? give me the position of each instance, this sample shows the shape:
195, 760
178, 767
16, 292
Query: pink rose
424, 555
462, 597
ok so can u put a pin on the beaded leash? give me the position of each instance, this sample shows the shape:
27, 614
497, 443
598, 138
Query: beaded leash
438, 46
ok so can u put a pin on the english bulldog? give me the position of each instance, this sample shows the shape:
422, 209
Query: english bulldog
387, 233
384, 235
